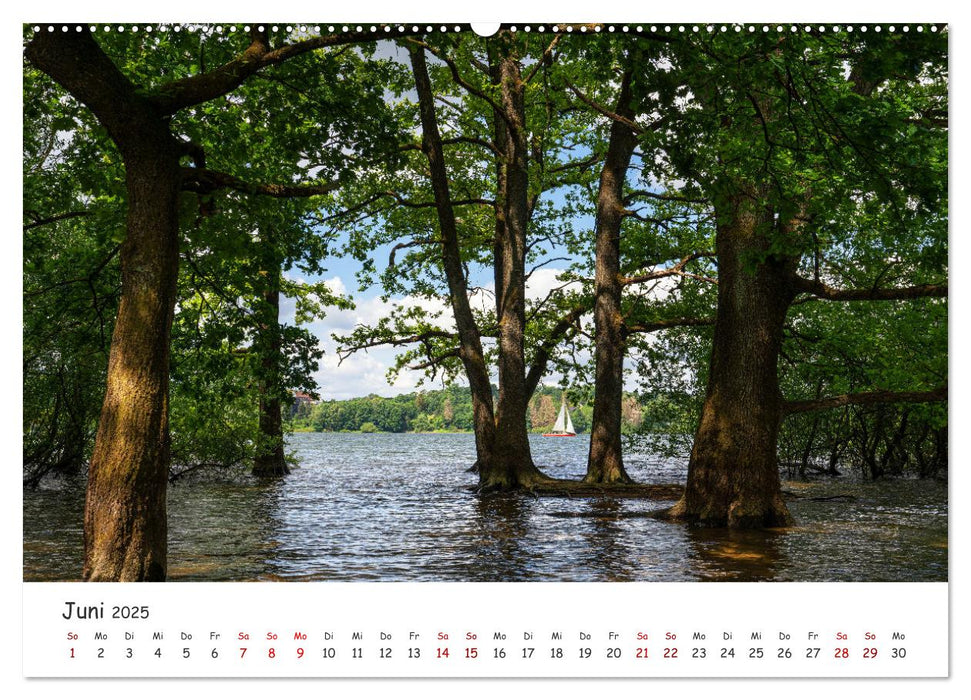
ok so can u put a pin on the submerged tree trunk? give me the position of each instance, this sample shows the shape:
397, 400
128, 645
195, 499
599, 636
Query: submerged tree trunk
125, 515
470, 342
895, 457
270, 459
605, 462
125, 511
807, 450
733, 476
513, 464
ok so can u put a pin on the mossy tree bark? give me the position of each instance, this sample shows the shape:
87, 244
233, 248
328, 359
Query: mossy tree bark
125, 512
733, 476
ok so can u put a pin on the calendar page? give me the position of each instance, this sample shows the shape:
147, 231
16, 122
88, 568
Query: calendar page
363, 348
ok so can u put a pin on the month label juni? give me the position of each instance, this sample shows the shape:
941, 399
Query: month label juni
491, 629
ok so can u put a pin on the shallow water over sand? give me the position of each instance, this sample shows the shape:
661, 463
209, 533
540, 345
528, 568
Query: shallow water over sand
399, 508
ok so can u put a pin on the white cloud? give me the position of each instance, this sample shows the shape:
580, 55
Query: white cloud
361, 374
336, 285
288, 309
368, 312
545, 279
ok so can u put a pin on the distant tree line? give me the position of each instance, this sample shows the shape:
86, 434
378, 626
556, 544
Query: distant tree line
444, 410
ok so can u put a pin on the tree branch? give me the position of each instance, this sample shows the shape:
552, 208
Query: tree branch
543, 353
205, 181
650, 327
865, 399
454, 140
824, 291
202, 87
582, 163
89, 278
38, 221
457, 77
544, 59
435, 361
71, 59
425, 205
675, 270
629, 123
662, 197
348, 350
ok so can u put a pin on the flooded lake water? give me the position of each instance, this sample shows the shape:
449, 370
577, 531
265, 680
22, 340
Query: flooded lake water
398, 507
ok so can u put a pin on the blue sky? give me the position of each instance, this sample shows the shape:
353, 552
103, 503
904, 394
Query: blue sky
365, 372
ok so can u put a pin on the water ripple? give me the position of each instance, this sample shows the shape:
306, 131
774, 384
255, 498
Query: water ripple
400, 508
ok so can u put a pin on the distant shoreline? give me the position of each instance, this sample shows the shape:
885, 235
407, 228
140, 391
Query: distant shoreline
403, 432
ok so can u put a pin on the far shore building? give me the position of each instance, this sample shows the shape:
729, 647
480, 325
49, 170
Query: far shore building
302, 403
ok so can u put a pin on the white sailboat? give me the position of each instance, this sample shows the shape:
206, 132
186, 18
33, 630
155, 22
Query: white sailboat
564, 424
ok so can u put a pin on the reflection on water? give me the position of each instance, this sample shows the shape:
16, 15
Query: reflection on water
400, 507
726, 555
500, 539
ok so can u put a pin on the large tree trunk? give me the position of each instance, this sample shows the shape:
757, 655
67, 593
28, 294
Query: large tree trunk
125, 516
270, 460
605, 462
513, 464
470, 342
733, 476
